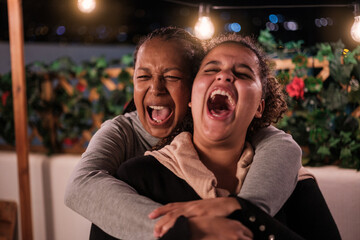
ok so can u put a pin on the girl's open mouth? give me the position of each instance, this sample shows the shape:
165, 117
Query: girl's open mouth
220, 104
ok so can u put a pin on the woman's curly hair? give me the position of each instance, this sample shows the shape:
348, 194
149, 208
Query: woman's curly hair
275, 104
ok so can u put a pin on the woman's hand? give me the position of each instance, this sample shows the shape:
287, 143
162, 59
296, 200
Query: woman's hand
211, 228
214, 207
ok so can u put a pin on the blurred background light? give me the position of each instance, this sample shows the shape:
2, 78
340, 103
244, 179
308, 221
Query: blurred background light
272, 26
273, 18
60, 30
86, 6
235, 27
291, 26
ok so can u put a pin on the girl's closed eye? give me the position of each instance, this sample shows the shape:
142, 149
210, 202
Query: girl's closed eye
211, 70
243, 75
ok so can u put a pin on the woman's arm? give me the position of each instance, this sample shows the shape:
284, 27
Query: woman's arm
94, 193
273, 173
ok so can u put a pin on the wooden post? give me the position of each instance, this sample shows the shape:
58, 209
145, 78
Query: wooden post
16, 36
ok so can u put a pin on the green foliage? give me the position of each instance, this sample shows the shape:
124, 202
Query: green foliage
61, 119
326, 120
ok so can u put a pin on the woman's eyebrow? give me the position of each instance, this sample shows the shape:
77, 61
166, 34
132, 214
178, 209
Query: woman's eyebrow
143, 69
171, 69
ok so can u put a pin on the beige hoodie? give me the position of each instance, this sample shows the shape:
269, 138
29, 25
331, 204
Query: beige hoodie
182, 159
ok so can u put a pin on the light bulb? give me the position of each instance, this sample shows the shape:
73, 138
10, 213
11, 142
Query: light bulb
86, 6
355, 29
204, 28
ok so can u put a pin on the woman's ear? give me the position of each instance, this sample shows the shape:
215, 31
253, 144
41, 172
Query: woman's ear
189, 104
260, 109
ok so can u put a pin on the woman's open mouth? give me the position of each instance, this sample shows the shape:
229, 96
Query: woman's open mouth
220, 104
159, 115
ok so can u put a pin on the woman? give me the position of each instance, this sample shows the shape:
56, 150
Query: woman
232, 96
166, 62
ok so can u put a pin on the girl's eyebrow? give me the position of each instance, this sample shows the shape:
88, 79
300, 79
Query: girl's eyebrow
241, 65
212, 62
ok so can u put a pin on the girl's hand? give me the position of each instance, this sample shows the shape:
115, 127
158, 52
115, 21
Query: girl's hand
214, 228
214, 207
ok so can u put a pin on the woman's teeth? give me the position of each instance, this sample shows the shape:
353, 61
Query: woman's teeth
159, 113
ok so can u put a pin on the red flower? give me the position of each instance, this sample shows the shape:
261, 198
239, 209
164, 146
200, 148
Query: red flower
4, 97
296, 88
70, 141
80, 87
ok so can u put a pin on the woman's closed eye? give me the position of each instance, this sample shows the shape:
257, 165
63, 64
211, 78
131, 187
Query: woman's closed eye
143, 77
172, 78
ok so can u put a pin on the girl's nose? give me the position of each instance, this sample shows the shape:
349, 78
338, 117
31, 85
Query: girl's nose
225, 76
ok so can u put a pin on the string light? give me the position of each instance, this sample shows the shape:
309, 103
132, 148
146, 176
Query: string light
204, 28
86, 6
355, 29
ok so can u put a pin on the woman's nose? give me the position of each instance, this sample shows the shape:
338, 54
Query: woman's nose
158, 86
225, 76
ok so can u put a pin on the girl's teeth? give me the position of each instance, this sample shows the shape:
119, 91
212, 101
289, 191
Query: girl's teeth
223, 93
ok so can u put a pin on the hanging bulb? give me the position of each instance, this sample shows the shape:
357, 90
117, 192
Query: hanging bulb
204, 28
355, 29
86, 6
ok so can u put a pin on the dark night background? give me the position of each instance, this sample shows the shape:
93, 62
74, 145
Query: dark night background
124, 21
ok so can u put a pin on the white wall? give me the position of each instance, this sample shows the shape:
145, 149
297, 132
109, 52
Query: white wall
51, 219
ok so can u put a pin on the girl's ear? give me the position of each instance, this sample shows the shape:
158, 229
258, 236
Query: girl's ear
260, 109
189, 104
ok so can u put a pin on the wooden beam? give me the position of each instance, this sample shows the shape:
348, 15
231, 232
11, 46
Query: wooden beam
16, 36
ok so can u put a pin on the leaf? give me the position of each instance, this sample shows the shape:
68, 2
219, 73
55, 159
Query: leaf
345, 153
127, 60
101, 63
267, 40
333, 142
324, 51
323, 151
349, 58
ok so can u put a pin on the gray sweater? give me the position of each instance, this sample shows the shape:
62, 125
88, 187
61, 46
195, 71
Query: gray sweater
92, 191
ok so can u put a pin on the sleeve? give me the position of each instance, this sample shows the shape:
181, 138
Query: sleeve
180, 230
262, 225
308, 214
273, 173
94, 193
